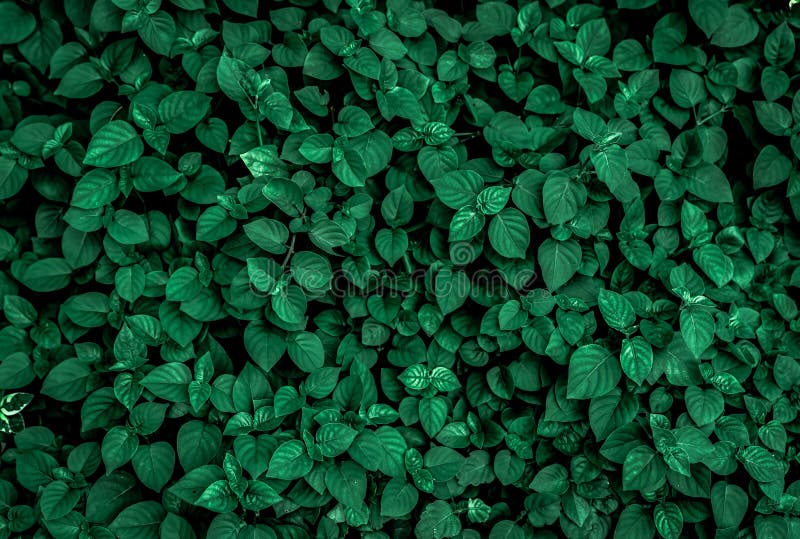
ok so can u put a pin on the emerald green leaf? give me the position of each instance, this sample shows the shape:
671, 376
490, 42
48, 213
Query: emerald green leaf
559, 261
47, 275
141, 519
738, 28
181, 111
634, 521
510, 233
333, 439
704, 405
562, 198
636, 359
67, 381
697, 329
113, 145
458, 188
616, 310
438, 521
289, 461
708, 14
169, 382
771, 167
391, 244
154, 464
306, 350
593, 372
669, 520
18, 23
398, 498
762, 465
119, 446
643, 469
729, 504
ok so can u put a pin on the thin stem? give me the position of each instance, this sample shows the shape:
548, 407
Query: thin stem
407, 263
289, 253
119, 108
704, 120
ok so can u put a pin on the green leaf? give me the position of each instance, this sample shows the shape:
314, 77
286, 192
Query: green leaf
729, 504
738, 28
432, 414
593, 372
233, 77
697, 329
509, 233
130, 282
12, 178
398, 499
714, 263
443, 379
493, 199
154, 464
708, 182
289, 461
254, 453
636, 359
191, 486
451, 289
391, 244
617, 311
169, 382
138, 521
347, 483
17, 23
611, 164
119, 446
704, 405
94, 190
16, 371
181, 111
47, 275
398, 207
687, 88
290, 304
218, 497
762, 465
67, 381
113, 145
333, 439
151, 174
708, 14
669, 520
779, 47
58, 499
438, 521
634, 521
466, 224
771, 167
643, 470
562, 198
458, 188
306, 351
559, 261
415, 377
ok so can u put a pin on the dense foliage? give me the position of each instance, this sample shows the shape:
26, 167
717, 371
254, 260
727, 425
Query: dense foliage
325, 268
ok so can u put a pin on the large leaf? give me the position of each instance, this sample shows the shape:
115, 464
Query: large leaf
593, 372
115, 144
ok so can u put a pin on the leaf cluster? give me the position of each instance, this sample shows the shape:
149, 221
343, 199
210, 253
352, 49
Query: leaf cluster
396, 268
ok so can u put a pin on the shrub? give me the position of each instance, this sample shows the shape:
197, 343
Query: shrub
399, 269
